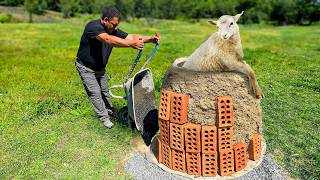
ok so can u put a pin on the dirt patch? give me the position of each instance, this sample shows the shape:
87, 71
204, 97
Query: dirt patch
203, 89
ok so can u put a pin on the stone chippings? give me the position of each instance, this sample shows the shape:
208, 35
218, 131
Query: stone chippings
140, 169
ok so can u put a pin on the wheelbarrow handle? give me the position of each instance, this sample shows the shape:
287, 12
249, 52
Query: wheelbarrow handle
116, 87
150, 56
133, 66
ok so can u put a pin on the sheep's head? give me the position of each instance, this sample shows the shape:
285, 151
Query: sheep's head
227, 25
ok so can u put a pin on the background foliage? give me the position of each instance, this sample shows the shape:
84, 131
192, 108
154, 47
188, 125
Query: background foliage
280, 12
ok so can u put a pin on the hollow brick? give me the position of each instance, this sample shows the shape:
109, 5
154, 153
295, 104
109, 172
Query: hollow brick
255, 147
179, 108
209, 139
240, 156
225, 138
209, 164
164, 105
166, 155
225, 115
192, 138
193, 163
177, 136
178, 160
164, 131
226, 162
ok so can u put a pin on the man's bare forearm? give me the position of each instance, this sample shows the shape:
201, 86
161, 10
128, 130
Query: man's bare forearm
114, 41
146, 39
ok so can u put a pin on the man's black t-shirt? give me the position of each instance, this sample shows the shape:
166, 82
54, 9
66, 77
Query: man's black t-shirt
92, 52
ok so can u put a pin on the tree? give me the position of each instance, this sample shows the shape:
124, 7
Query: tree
226, 7
35, 6
69, 7
53, 5
11, 2
125, 7
307, 10
283, 11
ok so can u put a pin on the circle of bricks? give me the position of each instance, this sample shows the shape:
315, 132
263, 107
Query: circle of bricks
251, 165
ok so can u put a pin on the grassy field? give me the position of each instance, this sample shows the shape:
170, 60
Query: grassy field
49, 130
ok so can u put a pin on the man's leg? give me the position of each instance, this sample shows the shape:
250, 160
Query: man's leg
103, 81
93, 90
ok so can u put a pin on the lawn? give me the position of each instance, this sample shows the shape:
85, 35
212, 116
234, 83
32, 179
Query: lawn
49, 130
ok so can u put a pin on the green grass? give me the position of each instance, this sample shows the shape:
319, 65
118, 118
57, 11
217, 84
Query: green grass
49, 130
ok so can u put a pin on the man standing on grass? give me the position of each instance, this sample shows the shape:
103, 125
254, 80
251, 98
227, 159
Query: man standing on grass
97, 41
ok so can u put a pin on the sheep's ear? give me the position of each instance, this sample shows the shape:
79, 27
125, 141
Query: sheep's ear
210, 21
236, 17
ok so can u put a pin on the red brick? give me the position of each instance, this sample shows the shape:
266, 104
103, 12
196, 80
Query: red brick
164, 106
225, 138
255, 147
178, 160
240, 156
157, 150
164, 131
209, 139
176, 137
192, 138
226, 162
209, 164
166, 155
193, 163
225, 111
179, 108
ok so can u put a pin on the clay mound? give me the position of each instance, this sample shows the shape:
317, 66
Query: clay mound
204, 87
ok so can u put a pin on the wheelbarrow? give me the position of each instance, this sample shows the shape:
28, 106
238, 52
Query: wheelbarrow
141, 110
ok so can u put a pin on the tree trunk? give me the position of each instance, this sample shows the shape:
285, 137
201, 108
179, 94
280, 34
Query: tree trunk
30, 16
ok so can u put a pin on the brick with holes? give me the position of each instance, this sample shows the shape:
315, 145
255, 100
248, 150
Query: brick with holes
240, 156
192, 137
226, 162
225, 138
209, 139
255, 147
179, 108
209, 164
166, 155
164, 131
164, 105
225, 114
193, 163
176, 136
178, 160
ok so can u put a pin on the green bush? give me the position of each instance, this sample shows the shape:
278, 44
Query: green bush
5, 18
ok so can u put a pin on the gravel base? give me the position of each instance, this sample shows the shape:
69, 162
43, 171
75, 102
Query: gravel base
140, 168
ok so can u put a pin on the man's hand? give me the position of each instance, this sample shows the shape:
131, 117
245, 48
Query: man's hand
156, 39
137, 43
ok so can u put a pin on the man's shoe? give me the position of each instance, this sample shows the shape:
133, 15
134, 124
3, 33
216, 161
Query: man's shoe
107, 123
112, 113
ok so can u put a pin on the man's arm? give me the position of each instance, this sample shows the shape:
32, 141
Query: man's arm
118, 42
146, 39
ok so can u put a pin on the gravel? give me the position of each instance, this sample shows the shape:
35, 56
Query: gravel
140, 168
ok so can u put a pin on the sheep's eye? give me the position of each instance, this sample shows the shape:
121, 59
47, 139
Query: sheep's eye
231, 23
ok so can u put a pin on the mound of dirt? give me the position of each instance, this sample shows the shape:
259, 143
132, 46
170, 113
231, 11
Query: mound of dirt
204, 87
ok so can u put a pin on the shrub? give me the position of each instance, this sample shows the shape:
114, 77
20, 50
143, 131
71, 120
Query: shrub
5, 18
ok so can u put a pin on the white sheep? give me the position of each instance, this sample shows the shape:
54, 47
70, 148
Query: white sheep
222, 52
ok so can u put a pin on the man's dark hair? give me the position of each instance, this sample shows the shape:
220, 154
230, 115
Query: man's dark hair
110, 12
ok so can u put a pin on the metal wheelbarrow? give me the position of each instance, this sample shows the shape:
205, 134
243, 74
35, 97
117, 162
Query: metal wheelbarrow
141, 110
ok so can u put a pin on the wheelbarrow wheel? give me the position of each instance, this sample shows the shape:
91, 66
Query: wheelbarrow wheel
123, 115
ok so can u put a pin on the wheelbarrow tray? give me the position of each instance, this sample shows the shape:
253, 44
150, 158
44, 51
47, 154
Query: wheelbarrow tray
142, 109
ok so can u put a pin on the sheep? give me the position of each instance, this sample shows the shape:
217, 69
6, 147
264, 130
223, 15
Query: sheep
222, 51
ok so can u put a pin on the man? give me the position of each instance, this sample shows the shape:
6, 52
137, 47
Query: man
97, 41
